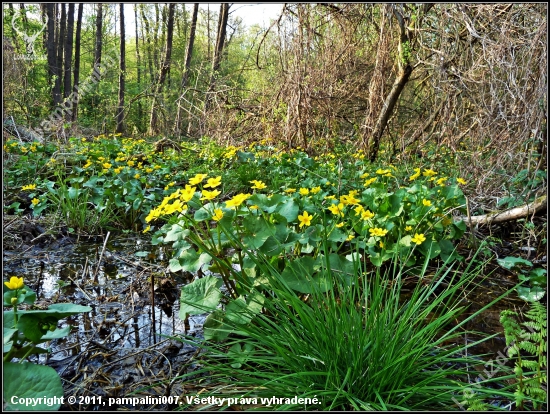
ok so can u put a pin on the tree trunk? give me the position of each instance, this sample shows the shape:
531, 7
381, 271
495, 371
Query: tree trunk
59, 62
138, 59
77, 61
147, 37
185, 77
67, 87
387, 110
120, 111
164, 69
50, 49
220, 40
98, 34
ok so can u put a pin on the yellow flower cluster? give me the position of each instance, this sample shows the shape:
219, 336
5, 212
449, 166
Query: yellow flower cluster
237, 200
180, 197
29, 187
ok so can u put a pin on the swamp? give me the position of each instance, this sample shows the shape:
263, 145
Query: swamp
342, 209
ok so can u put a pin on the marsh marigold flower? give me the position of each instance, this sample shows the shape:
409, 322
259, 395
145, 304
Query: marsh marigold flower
237, 200
15, 283
213, 182
418, 238
209, 195
427, 203
197, 179
29, 187
337, 209
378, 232
461, 181
258, 185
218, 214
305, 219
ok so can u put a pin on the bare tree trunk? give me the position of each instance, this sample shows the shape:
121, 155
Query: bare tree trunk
185, 77
120, 110
59, 62
98, 34
77, 60
67, 87
138, 58
50, 49
147, 37
164, 69
220, 40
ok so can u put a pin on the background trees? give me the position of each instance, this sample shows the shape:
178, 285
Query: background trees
387, 78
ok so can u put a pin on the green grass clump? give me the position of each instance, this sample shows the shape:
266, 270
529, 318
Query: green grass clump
357, 346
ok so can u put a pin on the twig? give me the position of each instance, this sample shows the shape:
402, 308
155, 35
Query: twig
101, 255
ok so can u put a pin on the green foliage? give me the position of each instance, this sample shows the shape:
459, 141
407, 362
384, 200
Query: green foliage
527, 345
536, 278
23, 331
356, 346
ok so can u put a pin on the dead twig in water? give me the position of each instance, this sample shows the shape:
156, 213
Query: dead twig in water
101, 256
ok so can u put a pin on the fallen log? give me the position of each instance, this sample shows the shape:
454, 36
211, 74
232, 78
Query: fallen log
508, 215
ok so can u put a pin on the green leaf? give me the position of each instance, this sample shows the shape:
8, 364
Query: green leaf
289, 210
271, 247
202, 214
301, 275
73, 193
430, 249
531, 294
201, 296
31, 381
177, 232
342, 268
241, 311
215, 328
513, 263
190, 261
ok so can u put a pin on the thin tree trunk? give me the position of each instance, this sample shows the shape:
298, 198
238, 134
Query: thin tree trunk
50, 49
98, 34
138, 58
77, 60
59, 61
164, 69
67, 87
222, 29
120, 111
147, 37
185, 77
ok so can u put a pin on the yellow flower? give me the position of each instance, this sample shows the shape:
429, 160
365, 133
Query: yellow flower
237, 200
15, 283
106, 165
429, 173
117, 170
131, 163
367, 215
369, 181
378, 232
304, 191
315, 190
340, 224
418, 238
137, 176
415, 175
349, 200
350, 237
441, 181
153, 214
461, 181
218, 214
35, 201
209, 195
427, 203
337, 209
258, 185
213, 182
408, 228
290, 190
148, 170
197, 179
305, 219
383, 172
146, 229
187, 193
381, 244
29, 187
